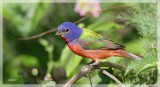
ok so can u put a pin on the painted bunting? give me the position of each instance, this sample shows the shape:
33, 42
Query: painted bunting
89, 44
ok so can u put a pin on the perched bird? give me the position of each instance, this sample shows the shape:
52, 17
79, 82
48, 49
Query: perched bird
89, 44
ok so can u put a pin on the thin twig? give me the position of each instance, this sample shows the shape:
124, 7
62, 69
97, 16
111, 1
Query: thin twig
85, 70
82, 19
114, 65
111, 76
38, 35
89, 77
51, 30
76, 22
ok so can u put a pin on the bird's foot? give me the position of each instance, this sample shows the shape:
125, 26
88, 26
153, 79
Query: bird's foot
94, 63
86, 68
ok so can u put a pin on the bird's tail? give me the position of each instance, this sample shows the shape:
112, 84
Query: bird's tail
134, 56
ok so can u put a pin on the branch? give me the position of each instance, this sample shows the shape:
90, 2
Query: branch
111, 76
76, 22
89, 77
114, 65
38, 35
85, 70
51, 30
82, 19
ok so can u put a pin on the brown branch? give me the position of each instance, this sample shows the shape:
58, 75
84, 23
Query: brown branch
39, 35
85, 70
111, 76
82, 19
89, 77
51, 30
76, 22
114, 65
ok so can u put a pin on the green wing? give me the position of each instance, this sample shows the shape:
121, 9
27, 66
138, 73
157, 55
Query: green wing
90, 40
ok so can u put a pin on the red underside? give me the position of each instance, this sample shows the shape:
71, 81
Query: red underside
97, 54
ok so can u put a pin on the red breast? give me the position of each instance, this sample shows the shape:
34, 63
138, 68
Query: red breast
96, 54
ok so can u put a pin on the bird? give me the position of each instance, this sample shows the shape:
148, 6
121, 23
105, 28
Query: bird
89, 44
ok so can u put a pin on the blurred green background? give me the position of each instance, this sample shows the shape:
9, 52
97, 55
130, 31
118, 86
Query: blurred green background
47, 59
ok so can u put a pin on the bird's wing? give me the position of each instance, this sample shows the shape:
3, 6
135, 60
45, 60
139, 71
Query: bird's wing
90, 40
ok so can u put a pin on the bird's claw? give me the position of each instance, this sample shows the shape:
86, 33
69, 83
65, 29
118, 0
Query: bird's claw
86, 68
96, 62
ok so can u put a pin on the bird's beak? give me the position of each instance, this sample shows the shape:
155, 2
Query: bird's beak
58, 33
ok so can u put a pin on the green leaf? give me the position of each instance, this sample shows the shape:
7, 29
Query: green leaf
147, 67
102, 26
26, 60
73, 64
65, 55
26, 20
39, 12
69, 60
134, 46
44, 42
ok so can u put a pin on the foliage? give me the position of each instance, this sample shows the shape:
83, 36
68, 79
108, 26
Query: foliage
144, 20
134, 27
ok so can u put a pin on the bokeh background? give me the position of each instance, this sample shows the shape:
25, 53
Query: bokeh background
47, 59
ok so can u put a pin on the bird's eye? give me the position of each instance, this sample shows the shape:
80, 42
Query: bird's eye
67, 30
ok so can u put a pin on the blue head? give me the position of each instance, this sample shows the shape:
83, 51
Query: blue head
69, 30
